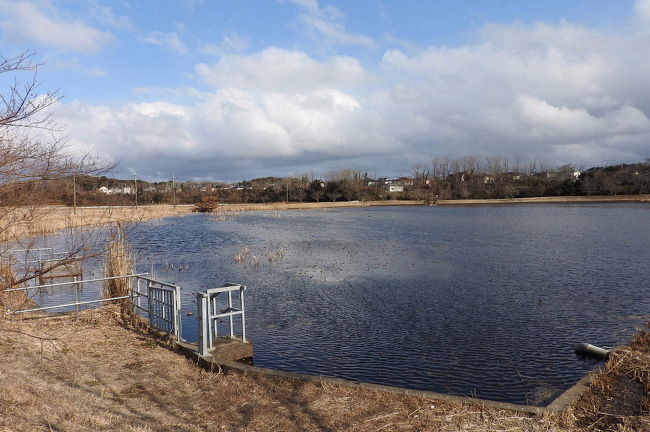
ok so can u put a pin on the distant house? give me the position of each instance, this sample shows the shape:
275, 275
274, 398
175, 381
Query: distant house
392, 188
404, 181
563, 175
127, 190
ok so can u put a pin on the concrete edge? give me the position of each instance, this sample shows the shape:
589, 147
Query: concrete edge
559, 404
571, 395
189, 350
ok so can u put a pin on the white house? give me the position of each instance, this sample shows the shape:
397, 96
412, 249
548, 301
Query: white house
128, 190
394, 188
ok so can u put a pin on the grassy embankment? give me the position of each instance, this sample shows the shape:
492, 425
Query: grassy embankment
94, 374
551, 200
355, 204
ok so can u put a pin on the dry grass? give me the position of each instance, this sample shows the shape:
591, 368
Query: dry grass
9, 300
550, 200
310, 205
28, 222
119, 261
619, 398
92, 374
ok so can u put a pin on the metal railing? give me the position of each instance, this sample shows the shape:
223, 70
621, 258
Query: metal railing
163, 304
209, 314
160, 300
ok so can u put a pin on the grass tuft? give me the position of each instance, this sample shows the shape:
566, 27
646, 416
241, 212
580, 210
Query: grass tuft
119, 261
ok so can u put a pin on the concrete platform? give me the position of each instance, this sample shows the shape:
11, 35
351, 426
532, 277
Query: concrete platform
231, 349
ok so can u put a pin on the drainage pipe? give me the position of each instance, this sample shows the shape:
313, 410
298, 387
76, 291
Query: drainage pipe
592, 350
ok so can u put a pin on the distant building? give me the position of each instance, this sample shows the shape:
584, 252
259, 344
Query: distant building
126, 190
392, 188
563, 175
404, 181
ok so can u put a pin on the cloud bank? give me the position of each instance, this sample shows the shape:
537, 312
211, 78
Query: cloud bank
564, 93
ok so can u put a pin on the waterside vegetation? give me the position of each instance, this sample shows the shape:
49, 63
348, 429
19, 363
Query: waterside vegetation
146, 386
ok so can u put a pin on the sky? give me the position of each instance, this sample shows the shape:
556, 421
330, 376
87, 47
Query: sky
235, 89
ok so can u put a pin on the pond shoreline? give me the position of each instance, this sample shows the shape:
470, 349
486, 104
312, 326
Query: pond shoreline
593, 199
109, 388
552, 200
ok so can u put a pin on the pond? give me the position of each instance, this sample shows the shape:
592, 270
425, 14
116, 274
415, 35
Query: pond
486, 301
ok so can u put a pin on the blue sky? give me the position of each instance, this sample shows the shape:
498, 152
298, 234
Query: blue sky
232, 89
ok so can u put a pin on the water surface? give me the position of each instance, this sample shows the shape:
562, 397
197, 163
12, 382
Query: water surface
483, 301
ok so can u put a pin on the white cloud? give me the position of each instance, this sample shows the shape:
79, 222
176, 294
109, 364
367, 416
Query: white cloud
565, 93
279, 70
335, 31
176, 92
172, 41
24, 21
108, 17
222, 128
326, 22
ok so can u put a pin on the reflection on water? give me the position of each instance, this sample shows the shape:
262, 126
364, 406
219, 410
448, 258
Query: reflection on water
484, 301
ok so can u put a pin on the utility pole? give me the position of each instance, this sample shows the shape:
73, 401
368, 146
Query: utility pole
174, 190
74, 193
135, 183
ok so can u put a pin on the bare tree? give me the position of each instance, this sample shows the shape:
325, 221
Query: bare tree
299, 190
31, 159
333, 195
317, 194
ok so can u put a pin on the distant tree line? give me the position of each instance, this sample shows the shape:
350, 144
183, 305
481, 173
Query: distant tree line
475, 177
469, 177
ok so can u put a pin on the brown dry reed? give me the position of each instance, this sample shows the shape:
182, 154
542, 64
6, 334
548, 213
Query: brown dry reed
7, 280
22, 222
119, 261
304, 206
619, 397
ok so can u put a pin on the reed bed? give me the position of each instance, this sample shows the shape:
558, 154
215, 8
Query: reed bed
550, 200
309, 205
20, 223
119, 261
247, 256
9, 300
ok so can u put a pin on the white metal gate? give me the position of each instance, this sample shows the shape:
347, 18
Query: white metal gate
163, 305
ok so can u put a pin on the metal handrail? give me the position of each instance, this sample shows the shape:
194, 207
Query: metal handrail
70, 304
170, 313
74, 282
141, 276
207, 315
